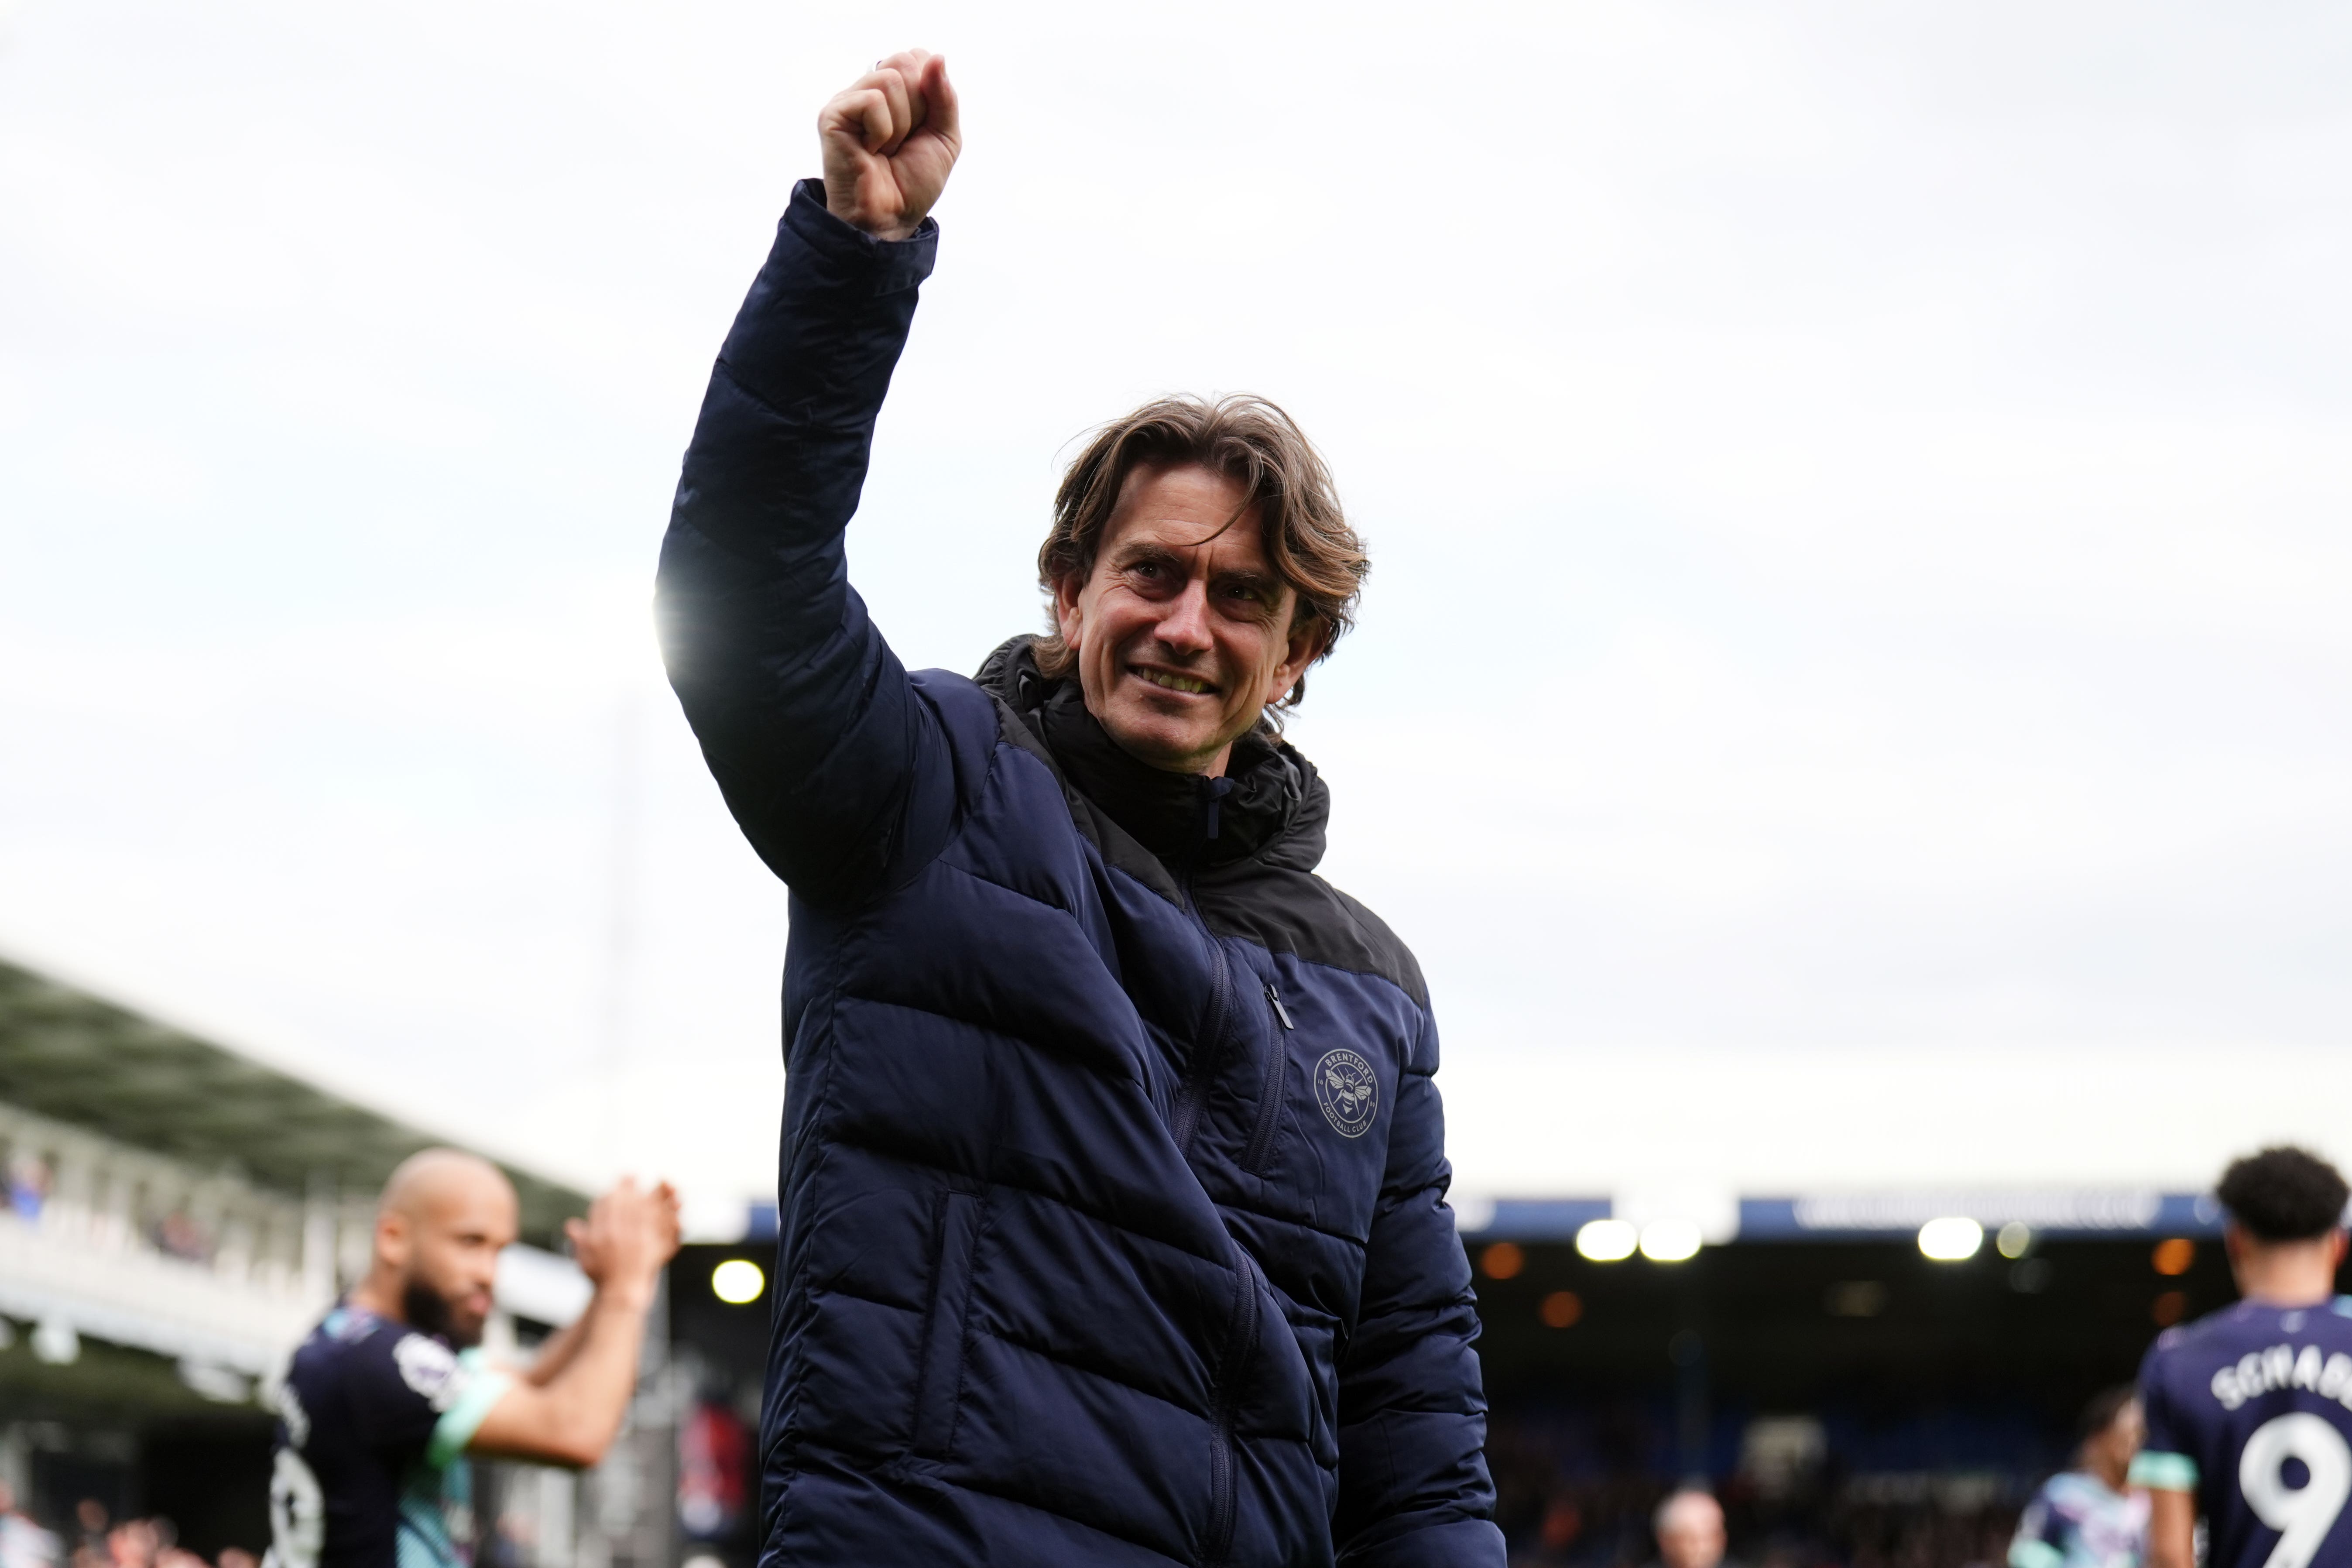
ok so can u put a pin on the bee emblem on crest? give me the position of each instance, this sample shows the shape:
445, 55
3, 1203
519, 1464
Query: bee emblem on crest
1348, 1092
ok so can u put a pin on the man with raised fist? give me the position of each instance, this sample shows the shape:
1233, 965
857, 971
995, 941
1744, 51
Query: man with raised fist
1113, 1186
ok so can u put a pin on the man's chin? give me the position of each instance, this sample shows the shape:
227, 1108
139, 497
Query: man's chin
425, 1307
1162, 742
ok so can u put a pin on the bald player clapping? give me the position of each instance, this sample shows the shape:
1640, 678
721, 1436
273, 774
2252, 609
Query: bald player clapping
391, 1391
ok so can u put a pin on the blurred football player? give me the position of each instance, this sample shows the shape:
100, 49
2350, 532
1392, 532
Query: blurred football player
2249, 1409
2090, 1516
391, 1391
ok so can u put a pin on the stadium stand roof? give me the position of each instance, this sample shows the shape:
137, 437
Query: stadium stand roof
81, 1059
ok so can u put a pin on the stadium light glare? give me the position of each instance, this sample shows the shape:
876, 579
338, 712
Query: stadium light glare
1670, 1240
2014, 1238
1607, 1240
738, 1281
1951, 1239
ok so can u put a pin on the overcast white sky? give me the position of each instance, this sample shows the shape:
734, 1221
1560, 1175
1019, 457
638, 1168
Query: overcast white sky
1856, 678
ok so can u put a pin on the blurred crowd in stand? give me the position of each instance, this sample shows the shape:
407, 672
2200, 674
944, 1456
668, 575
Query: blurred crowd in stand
90, 1539
1584, 1489
26, 1182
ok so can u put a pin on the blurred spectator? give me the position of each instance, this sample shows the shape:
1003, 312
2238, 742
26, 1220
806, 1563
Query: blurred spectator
29, 1187
90, 1523
177, 1236
1920, 1535
133, 1543
2086, 1517
714, 1464
97, 1542
1690, 1526
160, 1539
1563, 1522
23, 1543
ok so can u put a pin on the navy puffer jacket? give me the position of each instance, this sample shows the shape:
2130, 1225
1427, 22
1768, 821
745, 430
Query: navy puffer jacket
1113, 1219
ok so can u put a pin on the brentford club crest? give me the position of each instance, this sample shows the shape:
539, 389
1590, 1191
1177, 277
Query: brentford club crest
1349, 1094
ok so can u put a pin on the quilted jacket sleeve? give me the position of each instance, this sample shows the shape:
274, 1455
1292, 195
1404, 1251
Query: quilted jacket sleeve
1413, 1488
836, 770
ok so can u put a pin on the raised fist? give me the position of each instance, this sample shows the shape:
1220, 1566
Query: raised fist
889, 139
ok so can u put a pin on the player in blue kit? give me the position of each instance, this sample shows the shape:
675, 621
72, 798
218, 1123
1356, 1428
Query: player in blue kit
2090, 1516
2249, 1409
390, 1391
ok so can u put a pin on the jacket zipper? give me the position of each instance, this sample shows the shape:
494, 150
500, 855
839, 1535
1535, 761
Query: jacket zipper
1269, 1096
1195, 1095
1240, 1351
1241, 1346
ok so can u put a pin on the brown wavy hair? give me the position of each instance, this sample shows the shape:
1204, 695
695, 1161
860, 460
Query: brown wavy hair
1249, 440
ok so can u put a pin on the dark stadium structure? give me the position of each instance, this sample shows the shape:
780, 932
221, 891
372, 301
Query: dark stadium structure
1851, 1401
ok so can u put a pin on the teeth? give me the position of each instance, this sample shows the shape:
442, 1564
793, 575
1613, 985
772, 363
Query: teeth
1173, 682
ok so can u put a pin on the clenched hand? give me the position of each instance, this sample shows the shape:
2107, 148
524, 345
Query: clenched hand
889, 139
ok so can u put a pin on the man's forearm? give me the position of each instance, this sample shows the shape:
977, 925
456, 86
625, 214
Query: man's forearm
572, 1416
598, 1378
556, 1352
2171, 1529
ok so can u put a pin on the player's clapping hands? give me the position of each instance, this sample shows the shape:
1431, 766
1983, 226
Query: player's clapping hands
889, 139
629, 1234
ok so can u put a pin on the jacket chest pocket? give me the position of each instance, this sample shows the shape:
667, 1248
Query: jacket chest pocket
939, 1383
1259, 1153
1322, 1083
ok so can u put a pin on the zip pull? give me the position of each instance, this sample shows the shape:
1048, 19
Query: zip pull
1275, 998
1213, 795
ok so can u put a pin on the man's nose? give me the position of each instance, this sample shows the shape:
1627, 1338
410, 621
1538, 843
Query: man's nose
1185, 627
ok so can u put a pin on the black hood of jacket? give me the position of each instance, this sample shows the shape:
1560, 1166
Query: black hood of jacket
1271, 806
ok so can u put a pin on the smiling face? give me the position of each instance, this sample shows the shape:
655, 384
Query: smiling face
1182, 632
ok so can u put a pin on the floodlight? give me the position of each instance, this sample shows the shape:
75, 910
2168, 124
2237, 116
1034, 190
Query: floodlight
1951, 1239
738, 1281
1607, 1240
1670, 1240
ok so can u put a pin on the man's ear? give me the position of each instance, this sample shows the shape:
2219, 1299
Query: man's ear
394, 1241
1068, 618
1306, 643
